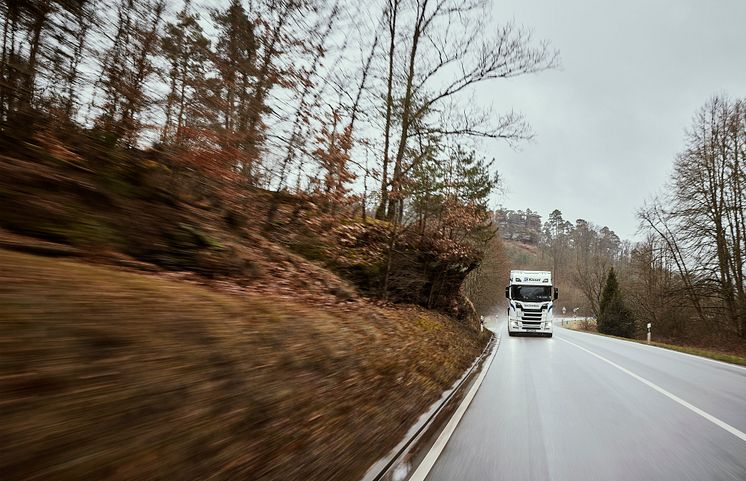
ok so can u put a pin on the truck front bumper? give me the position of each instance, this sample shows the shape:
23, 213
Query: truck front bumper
520, 327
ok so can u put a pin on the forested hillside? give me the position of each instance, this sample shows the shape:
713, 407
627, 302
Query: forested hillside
151, 129
578, 253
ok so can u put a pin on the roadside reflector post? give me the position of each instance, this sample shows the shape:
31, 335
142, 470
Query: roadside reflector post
650, 324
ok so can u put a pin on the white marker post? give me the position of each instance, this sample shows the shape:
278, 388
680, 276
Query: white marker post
650, 324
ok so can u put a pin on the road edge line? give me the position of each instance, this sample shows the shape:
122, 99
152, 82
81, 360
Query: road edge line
718, 422
660, 348
437, 448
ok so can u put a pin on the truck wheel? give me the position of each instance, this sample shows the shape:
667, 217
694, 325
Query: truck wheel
511, 333
549, 335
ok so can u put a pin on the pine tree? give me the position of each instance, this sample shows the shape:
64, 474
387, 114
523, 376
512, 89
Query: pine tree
186, 48
235, 58
614, 317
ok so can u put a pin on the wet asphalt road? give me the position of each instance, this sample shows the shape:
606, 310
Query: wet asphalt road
549, 410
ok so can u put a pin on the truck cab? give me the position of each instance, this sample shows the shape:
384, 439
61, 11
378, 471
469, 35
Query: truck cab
531, 299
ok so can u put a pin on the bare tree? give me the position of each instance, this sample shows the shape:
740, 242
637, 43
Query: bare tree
127, 66
704, 226
447, 52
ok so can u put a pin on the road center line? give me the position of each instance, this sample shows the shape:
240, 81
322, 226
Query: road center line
739, 434
432, 456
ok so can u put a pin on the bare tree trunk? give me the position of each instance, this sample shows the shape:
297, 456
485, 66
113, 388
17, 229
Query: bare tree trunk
389, 257
4, 66
398, 202
393, 9
300, 112
166, 131
75, 62
262, 86
42, 10
134, 100
182, 106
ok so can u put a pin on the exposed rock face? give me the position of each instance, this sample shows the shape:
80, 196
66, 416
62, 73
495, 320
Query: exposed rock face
520, 226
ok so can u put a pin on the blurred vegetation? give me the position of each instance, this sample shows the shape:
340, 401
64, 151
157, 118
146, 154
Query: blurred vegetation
120, 375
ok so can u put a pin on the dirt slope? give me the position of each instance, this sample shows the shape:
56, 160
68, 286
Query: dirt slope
108, 374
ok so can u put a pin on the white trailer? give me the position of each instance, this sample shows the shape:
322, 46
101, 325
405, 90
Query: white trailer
531, 297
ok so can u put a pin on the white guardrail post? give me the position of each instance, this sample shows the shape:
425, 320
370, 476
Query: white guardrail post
650, 324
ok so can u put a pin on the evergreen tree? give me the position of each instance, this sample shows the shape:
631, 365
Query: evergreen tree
235, 57
186, 49
614, 317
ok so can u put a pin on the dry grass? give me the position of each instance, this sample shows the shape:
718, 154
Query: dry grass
717, 355
116, 375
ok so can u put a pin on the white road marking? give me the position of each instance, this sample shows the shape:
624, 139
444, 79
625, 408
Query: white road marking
739, 434
658, 348
432, 456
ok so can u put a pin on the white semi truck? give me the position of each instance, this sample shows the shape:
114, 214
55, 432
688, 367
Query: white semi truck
531, 298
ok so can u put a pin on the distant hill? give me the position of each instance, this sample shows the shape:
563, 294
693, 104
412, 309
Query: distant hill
518, 225
525, 256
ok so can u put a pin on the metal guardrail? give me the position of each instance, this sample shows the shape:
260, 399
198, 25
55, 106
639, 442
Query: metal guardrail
392, 464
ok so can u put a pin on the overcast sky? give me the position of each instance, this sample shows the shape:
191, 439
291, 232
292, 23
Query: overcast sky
610, 121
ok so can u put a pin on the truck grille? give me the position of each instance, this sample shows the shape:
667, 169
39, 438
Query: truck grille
532, 315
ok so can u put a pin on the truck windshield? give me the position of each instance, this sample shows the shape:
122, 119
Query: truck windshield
531, 293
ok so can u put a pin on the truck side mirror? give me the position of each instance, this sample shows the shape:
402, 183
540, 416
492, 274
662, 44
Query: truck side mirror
507, 292
556, 293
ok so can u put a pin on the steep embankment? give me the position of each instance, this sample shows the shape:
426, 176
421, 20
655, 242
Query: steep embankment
203, 329
146, 211
109, 374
